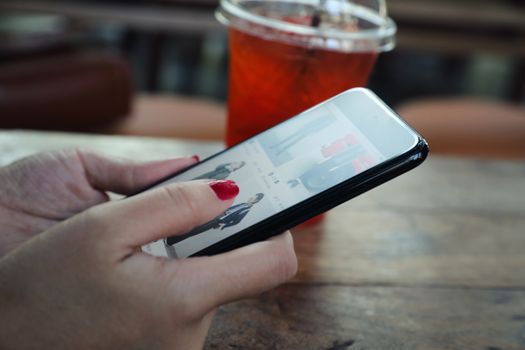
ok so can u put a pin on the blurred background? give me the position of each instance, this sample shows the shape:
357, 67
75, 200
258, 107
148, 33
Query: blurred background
159, 68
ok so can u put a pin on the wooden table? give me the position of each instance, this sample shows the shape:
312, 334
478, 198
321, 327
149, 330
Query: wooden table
432, 260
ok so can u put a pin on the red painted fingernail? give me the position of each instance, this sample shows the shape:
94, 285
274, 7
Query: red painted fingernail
197, 158
225, 189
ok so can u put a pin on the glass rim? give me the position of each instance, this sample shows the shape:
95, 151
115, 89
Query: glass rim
235, 16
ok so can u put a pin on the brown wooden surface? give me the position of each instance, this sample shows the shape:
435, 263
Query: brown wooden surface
432, 260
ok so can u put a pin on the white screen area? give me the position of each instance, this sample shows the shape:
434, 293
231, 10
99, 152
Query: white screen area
276, 170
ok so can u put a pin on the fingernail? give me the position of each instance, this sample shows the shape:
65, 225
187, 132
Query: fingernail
197, 158
225, 189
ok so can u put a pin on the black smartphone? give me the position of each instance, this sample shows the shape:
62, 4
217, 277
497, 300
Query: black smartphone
298, 169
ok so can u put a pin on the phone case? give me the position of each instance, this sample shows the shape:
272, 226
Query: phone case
323, 201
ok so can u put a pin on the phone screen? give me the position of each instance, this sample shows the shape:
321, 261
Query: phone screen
289, 163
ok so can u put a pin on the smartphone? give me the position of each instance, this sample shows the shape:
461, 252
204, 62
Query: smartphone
298, 169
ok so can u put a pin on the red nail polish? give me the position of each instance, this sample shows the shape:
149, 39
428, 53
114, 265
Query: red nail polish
197, 158
225, 189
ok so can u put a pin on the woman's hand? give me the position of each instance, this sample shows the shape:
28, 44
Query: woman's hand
39, 191
82, 284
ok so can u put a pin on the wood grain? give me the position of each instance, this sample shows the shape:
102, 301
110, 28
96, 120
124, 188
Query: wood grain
341, 317
378, 247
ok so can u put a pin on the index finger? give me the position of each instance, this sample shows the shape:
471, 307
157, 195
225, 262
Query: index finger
164, 211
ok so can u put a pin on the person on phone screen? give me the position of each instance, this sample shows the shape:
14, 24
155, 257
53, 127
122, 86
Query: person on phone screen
231, 217
222, 171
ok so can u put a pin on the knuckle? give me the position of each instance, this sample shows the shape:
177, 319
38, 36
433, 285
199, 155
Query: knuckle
130, 177
133, 173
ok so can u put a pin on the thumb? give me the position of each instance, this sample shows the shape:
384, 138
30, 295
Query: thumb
125, 176
241, 273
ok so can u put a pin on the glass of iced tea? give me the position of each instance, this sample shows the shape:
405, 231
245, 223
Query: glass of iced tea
287, 56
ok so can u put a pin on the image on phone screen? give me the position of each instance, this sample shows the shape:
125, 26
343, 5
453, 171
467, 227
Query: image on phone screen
278, 169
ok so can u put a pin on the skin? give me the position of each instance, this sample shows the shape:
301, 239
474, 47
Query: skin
71, 276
